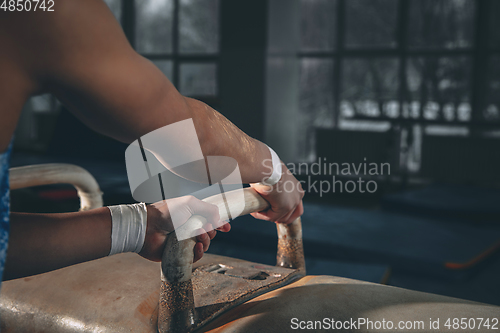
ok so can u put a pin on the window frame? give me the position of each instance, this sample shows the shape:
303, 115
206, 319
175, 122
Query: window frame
479, 53
128, 19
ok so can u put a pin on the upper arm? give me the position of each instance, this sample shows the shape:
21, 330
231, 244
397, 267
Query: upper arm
79, 53
87, 62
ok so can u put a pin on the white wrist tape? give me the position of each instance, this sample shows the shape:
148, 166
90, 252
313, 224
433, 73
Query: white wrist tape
276, 175
128, 229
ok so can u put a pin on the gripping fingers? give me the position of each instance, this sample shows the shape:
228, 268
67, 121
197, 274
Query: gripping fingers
198, 252
225, 227
202, 243
203, 238
299, 210
270, 215
286, 217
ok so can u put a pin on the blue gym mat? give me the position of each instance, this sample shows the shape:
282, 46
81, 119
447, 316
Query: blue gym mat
447, 201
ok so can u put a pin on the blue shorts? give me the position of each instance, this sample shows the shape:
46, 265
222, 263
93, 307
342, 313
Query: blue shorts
4, 206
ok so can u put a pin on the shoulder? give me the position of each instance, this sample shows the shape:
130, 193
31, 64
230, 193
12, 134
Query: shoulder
59, 41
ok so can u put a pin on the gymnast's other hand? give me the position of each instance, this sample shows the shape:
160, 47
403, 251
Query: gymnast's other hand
159, 225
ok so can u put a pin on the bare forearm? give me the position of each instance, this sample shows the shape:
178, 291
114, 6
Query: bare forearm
43, 242
220, 137
217, 135
157, 104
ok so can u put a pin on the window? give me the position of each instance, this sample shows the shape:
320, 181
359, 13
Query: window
398, 61
181, 37
36, 123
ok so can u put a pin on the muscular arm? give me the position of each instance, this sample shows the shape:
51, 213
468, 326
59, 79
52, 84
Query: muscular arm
43, 242
80, 54
87, 62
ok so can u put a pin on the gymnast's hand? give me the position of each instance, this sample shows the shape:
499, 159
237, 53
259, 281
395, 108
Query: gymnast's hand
285, 198
159, 225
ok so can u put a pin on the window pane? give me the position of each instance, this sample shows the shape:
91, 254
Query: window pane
370, 87
318, 25
439, 88
316, 102
199, 26
441, 23
494, 23
166, 66
154, 26
492, 110
198, 79
116, 8
41, 103
371, 23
